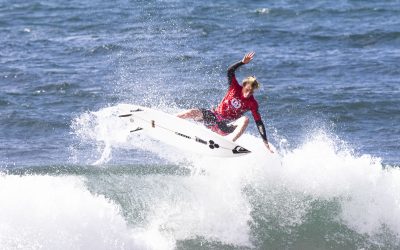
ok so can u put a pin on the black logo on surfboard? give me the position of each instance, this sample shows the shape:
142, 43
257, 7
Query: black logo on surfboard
212, 144
240, 150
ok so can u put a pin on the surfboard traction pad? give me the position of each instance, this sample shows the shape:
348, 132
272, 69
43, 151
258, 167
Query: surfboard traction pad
211, 144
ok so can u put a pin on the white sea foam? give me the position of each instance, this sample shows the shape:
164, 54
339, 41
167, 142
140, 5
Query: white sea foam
107, 131
320, 170
263, 10
44, 212
212, 202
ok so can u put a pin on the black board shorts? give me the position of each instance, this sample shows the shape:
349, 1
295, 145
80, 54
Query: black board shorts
210, 120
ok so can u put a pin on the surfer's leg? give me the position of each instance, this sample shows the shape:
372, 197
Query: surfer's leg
194, 114
241, 124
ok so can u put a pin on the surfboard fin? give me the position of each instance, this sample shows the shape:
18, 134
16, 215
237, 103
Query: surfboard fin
127, 115
136, 110
137, 129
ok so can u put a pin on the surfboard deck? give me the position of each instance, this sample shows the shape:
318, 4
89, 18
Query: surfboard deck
180, 133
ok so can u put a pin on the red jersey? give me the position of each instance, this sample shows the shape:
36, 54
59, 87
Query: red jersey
234, 104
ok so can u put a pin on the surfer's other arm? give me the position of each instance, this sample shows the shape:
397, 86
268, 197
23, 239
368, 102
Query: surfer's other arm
231, 70
261, 127
261, 130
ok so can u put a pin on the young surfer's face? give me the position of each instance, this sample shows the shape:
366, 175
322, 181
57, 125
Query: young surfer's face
247, 91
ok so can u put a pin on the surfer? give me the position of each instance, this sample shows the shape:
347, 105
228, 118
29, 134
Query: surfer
228, 117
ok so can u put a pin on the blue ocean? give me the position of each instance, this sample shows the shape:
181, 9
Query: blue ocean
72, 178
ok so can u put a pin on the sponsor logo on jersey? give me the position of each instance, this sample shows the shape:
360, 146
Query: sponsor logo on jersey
236, 103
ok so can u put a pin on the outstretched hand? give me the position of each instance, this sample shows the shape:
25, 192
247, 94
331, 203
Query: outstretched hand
248, 57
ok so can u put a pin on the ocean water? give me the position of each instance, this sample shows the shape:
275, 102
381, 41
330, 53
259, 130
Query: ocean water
73, 177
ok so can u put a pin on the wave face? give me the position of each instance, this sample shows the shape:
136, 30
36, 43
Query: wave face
73, 177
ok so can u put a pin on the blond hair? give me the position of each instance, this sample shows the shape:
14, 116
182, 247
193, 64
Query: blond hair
252, 80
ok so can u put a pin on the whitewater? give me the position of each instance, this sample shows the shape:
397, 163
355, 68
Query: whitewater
207, 199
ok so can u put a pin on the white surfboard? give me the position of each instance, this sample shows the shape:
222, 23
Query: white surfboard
180, 133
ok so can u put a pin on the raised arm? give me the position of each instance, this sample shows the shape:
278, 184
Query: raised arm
231, 70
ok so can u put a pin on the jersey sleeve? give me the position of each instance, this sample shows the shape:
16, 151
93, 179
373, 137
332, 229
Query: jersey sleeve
254, 112
231, 73
261, 130
259, 122
234, 83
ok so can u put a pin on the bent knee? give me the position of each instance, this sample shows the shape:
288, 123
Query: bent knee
243, 121
195, 112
